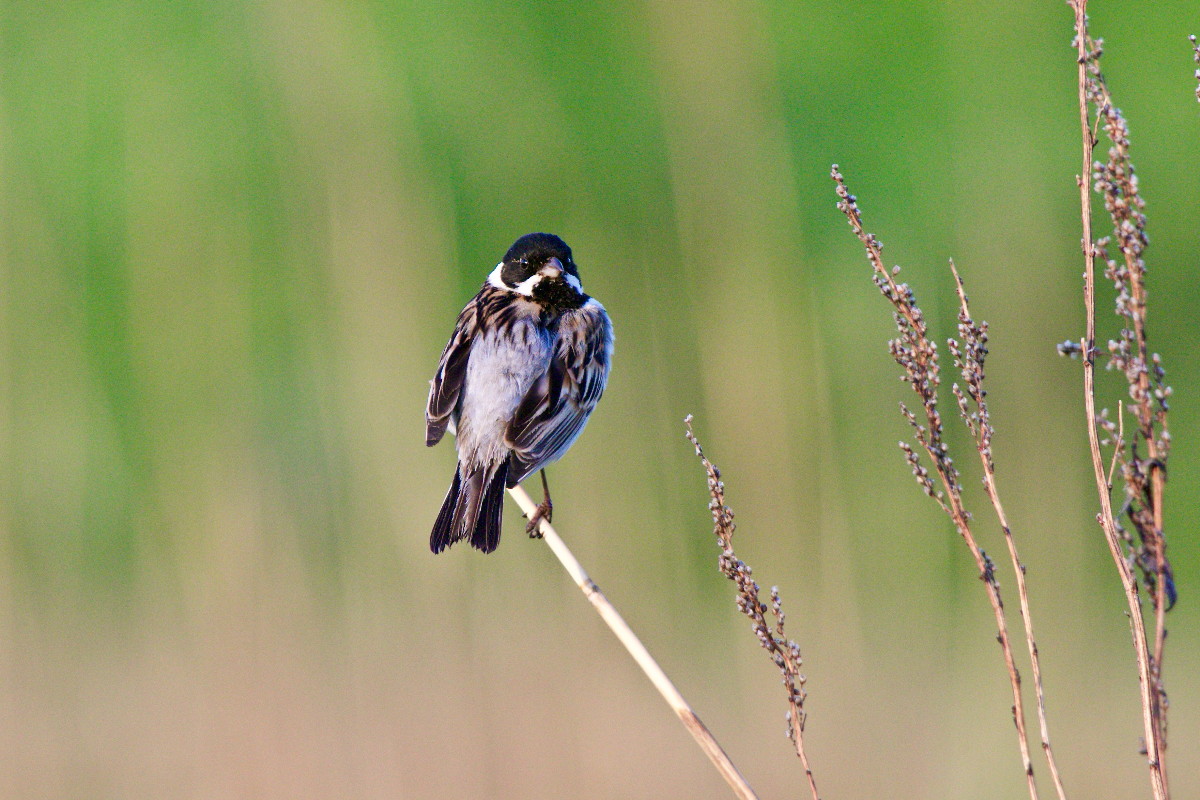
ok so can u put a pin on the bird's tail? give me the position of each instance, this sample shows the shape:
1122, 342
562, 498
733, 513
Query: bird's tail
473, 509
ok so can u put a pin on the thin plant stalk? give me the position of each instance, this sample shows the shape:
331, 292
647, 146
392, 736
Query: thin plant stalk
1158, 782
1142, 478
784, 652
638, 651
918, 355
982, 430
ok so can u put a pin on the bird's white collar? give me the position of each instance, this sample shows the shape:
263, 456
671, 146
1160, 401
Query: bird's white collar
525, 287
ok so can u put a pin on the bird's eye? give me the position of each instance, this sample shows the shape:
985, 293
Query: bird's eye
515, 272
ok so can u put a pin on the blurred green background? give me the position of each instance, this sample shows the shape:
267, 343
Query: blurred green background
233, 241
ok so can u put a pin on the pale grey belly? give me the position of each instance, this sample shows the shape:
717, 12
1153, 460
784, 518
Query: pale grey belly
499, 373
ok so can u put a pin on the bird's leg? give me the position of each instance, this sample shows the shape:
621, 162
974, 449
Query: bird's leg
544, 511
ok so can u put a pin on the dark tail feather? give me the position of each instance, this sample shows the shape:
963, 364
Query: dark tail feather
440, 539
487, 530
472, 509
470, 498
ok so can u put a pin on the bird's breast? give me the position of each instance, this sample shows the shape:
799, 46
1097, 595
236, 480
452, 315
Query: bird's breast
504, 364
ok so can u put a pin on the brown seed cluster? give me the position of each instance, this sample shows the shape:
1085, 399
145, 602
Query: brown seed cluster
969, 352
1142, 455
784, 652
917, 356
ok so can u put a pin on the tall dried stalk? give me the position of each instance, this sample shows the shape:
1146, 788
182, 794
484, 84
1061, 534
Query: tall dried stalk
1144, 477
917, 354
640, 654
784, 652
969, 357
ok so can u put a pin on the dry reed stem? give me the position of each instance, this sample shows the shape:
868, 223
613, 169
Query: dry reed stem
639, 652
784, 652
1150, 693
914, 351
1144, 479
969, 358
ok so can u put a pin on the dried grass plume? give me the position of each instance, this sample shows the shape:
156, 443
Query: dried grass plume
784, 652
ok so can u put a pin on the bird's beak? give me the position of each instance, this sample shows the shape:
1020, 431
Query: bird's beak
552, 269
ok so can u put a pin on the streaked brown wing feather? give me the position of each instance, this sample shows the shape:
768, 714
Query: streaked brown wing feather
558, 405
446, 386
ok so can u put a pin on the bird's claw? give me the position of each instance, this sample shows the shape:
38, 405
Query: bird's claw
544, 511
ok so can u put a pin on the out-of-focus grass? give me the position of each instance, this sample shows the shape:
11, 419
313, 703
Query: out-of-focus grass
233, 239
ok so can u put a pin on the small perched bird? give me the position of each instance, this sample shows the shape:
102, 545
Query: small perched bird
526, 365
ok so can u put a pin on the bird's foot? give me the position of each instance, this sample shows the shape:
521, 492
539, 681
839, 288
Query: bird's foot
544, 511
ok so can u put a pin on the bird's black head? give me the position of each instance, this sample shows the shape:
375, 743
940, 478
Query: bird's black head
530, 253
540, 267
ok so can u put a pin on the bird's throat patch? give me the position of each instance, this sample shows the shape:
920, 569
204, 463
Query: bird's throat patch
558, 296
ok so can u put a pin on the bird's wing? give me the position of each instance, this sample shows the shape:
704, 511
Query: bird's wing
446, 386
556, 407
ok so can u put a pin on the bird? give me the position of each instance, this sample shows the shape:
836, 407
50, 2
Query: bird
524, 369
